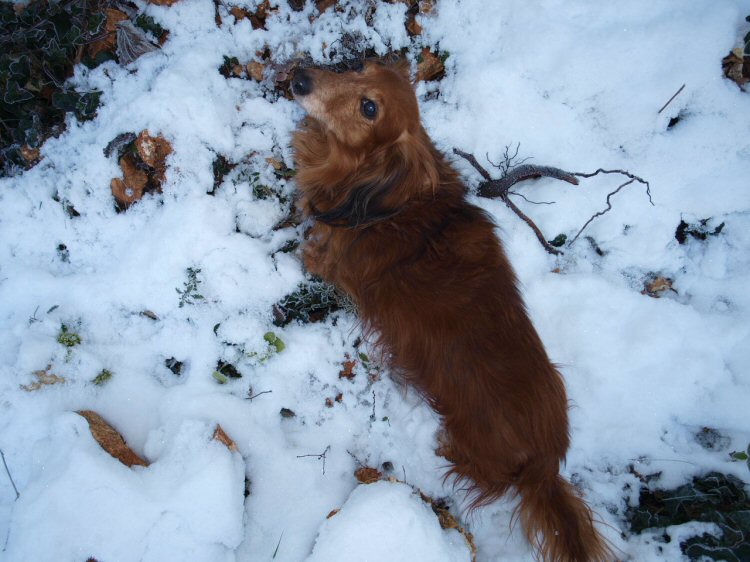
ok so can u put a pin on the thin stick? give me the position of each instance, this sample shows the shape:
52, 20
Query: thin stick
600, 213
256, 395
547, 246
7, 470
663, 107
320, 456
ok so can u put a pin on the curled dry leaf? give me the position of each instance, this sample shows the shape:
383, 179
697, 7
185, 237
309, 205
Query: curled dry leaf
367, 475
110, 440
347, 371
657, 286
430, 67
43, 378
222, 437
130, 188
255, 70
736, 67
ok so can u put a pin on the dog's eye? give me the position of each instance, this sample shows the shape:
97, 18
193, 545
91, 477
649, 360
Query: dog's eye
369, 109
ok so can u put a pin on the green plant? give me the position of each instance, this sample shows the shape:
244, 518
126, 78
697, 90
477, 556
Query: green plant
190, 294
40, 44
67, 338
102, 377
741, 456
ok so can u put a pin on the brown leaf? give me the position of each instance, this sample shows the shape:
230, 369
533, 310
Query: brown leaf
657, 286
153, 152
332, 513
109, 40
425, 6
430, 67
348, 368
255, 70
43, 378
412, 26
736, 67
367, 475
130, 188
162, 2
222, 437
323, 5
31, 155
110, 440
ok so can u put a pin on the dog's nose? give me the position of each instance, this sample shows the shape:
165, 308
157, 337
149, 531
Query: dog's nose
301, 83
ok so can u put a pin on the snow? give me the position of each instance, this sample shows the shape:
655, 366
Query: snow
577, 85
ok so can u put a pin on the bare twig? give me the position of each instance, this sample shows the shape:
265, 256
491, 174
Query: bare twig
611, 194
663, 107
600, 213
500, 188
473, 161
522, 196
256, 395
372, 416
320, 456
7, 470
278, 544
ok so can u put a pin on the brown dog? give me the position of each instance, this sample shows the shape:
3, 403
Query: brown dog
429, 276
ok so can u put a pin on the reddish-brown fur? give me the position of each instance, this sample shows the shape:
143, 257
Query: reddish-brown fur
430, 278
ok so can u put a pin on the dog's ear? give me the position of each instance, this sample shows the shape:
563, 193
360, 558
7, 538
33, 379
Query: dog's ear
419, 161
399, 63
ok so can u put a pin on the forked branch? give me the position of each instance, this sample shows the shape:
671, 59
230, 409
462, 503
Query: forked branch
500, 188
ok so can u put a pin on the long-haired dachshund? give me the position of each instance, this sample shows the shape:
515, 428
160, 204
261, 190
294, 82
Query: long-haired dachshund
393, 229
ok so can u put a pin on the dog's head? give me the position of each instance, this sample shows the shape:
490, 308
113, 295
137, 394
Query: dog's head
364, 145
371, 106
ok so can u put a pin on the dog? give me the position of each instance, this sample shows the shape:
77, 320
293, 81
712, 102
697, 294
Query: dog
392, 228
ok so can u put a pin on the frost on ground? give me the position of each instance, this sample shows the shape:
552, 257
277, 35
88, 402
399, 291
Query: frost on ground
577, 86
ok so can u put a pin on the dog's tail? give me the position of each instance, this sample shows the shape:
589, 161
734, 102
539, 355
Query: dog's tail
557, 522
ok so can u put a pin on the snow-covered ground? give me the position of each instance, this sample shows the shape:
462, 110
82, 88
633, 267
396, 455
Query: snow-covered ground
578, 84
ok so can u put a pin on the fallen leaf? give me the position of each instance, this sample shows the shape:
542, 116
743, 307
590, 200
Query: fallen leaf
43, 378
348, 368
108, 41
255, 70
332, 513
132, 42
130, 188
222, 437
430, 67
31, 155
736, 67
367, 475
163, 2
657, 286
110, 440
154, 151
323, 5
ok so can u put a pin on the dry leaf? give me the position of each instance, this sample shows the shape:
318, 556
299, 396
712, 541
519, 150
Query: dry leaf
163, 2
736, 67
323, 5
430, 67
412, 26
43, 378
130, 188
367, 475
109, 39
153, 152
31, 155
348, 368
110, 440
132, 42
222, 437
657, 286
255, 70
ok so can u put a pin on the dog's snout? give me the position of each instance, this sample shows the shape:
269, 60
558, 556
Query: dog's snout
301, 82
